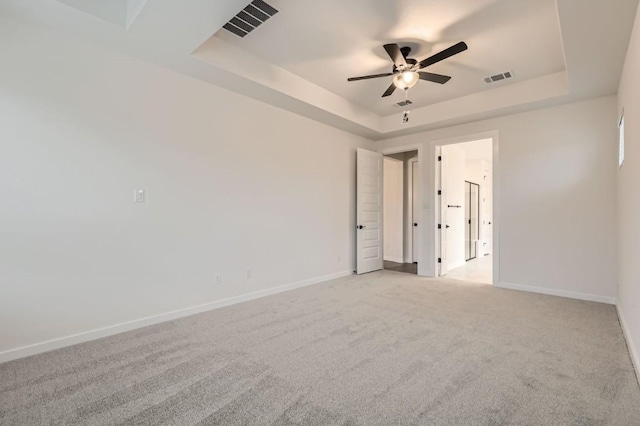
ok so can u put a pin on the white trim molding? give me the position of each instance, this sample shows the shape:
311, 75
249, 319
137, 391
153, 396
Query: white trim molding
561, 293
633, 349
99, 333
400, 149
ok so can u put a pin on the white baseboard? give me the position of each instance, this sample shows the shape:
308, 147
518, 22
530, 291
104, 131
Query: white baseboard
633, 349
394, 259
561, 293
86, 336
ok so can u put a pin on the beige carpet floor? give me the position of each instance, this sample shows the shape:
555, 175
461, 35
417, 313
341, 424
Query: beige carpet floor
382, 349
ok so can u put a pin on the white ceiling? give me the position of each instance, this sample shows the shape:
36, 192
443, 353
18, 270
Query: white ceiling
325, 42
560, 51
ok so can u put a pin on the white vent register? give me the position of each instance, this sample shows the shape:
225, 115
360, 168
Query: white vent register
499, 77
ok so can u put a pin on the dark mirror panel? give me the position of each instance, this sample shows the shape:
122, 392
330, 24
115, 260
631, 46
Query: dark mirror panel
472, 222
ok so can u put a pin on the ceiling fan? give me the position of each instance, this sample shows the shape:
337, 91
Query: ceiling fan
407, 70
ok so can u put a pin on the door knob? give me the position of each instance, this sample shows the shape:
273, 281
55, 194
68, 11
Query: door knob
360, 226
415, 224
448, 226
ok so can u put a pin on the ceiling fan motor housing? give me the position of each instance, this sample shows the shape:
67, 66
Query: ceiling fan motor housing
411, 63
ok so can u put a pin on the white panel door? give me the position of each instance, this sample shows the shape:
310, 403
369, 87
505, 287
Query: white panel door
442, 216
369, 211
415, 213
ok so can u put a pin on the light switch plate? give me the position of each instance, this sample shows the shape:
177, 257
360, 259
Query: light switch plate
138, 196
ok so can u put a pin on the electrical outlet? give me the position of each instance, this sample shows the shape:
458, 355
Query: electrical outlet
249, 273
217, 278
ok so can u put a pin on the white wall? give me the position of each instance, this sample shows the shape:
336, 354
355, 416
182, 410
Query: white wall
454, 190
231, 184
473, 171
556, 198
629, 199
393, 213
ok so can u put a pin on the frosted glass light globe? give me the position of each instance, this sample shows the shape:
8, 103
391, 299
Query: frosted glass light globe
406, 80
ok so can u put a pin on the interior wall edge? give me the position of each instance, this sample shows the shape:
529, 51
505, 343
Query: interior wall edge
561, 293
74, 339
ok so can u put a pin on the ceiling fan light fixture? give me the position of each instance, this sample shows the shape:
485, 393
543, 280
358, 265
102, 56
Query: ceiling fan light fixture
407, 71
406, 80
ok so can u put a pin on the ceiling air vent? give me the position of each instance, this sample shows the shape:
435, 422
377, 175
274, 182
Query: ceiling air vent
250, 18
403, 103
498, 77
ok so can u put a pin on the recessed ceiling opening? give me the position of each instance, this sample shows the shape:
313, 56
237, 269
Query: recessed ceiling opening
119, 12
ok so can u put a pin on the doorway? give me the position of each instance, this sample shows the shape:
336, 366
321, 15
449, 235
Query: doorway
464, 186
401, 212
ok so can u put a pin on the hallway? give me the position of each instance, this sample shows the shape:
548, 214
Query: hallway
408, 268
478, 270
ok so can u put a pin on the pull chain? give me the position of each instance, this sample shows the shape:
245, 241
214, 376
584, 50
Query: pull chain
405, 115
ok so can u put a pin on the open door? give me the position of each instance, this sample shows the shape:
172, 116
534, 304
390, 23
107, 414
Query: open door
369, 256
442, 211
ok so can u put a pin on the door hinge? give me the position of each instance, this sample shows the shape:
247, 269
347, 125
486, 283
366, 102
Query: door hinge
439, 260
439, 192
439, 157
439, 226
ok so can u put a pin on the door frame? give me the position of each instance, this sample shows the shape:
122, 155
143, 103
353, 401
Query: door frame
427, 265
410, 206
431, 194
422, 266
440, 214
